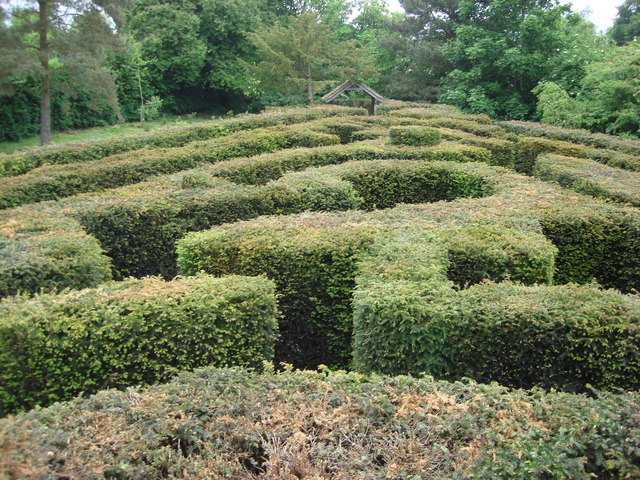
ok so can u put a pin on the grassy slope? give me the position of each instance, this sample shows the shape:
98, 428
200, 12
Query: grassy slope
100, 133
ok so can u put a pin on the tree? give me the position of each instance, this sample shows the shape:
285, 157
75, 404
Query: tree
626, 25
608, 98
303, 56
417, 42
504, 48
73, 36
196, 49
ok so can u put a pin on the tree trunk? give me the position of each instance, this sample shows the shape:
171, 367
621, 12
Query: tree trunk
45, 92
309, 88
141, 98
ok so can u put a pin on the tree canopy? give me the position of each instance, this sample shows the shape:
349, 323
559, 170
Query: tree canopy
303, 56
62, 44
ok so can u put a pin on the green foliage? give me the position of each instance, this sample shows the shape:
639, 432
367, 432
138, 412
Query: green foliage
607, 99
590, 177
208, 418
582, 137
139, 331
626, 26
414, 136
152, 108
315, 268
62, 46
45, 253
415, 45
595, 245
566, 336
503, 49
407, 317
22, 162
57, 182
303, 57
314, 274
555, 106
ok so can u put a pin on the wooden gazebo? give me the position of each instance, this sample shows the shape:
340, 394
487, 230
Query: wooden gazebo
349, 86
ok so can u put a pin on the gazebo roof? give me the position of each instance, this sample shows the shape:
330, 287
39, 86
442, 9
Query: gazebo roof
349, 86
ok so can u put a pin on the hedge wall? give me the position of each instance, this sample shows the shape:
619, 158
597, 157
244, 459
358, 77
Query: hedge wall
53, 347
590, 177
171, 137
408, 318
44, 252
584, 137
233, 422
54, 182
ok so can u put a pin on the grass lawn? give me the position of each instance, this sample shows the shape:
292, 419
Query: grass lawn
98, 133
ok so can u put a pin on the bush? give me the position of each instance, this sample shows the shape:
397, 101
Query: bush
564, 337
53, 347
583, 137
234, 420
414, 136
54, 182
313, 267
47, 253
172, 137
137, 226
314, 273
520, 336
590, 178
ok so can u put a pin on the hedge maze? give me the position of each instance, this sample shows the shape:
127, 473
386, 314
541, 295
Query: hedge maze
420, 241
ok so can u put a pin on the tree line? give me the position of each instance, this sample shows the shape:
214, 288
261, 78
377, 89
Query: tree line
80, 63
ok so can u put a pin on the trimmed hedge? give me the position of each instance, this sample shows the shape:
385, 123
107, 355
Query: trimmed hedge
313, 268
53, 347
47, 253
504, 152
539, 145
171, 137
233, 422
584, 137
565, 337
139, 225
408, 318
595, 244
54, 182
414, 136
590, 178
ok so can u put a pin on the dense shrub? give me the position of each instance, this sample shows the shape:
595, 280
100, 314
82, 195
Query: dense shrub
414, 136
407, 318
565, 337
232, 422
314, 272
504, 152
590, 177
48, 253
171, 137
138, 225
53, 182
584, 137
595, 244
53, 347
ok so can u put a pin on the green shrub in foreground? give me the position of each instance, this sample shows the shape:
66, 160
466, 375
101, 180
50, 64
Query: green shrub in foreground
235, 423
408, 318
53, 347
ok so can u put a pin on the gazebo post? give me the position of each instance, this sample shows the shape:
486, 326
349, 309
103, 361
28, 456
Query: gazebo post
374, 104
